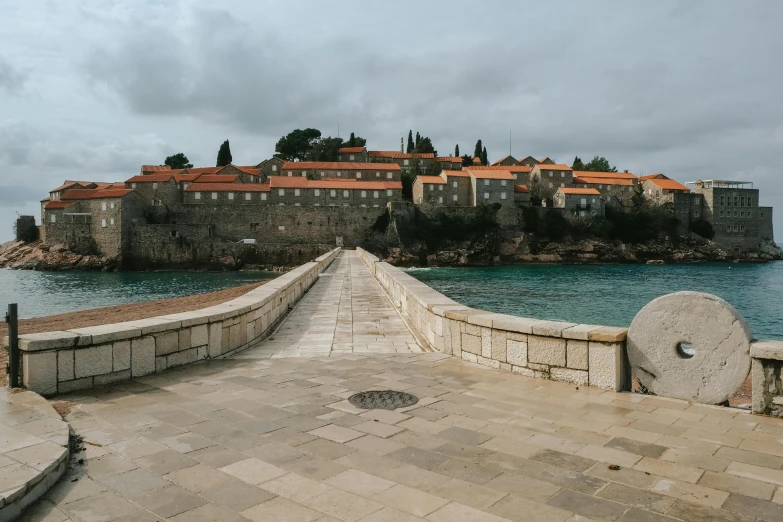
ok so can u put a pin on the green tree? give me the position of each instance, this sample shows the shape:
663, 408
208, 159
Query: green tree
351, 141
224, 155
425, 146
599, 165
296, 144
418, 140
578, 164
478, 150
411, 145
484, 159
456, 151
178, 161
325, 149
433, 169
467, 160
356, 141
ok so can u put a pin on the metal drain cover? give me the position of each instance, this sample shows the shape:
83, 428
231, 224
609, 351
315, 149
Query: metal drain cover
384, 400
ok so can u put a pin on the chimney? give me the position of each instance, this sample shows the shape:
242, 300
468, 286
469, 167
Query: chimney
625, 171
401, 148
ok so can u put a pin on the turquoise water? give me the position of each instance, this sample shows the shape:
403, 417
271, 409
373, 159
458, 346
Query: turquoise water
48, 293
612, 294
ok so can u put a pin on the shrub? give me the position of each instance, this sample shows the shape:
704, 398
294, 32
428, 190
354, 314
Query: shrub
703, 228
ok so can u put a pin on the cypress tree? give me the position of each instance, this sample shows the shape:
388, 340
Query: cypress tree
456, 151
418, 140
484, 160
224, 155
352, 140
410, 142
477, 152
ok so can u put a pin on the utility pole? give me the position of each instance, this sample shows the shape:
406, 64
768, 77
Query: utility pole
338, 129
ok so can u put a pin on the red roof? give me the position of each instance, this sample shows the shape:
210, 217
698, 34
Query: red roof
602, 181
651, 176
553, 166
185, 177
669, 184
111, 193
228, 187
580, 191
154, 168
432, 180
249, 170
332, 183
521, 188
351, 150
150, 178
591, 174
337, 165
490, 174
393, 154
456, 173
448, 159
203, 170
69, 184
510, 168
54, 205
476, 160
217, 178
504, 159
77, 194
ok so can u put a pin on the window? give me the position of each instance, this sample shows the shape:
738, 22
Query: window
486, 195
230, 195
375, 194
53, 219
290, 174
103, 223
281, 192
502, 182
358, 175
317, 192
728, 228
736, 228
742, 228
440, 187
197, 195
405, 162
263, 196
389, 175
735, 213
502, 195
111, 221
296, 204
486, 182
695, 213
550, 184
562, 174
304, 174
749, 215
274, 168
562, 184
214, 195
514, 175
112, 204
550, 173
742, 201
173, 233
742, 214
254, 227
389, 193
351, 156
723, 200
432, 187
735, 200
248, 196
364, 193
440, 199
322, 173
454, 197
338, 173
600, 187
454, 184
333, 193
721, 213
280, 227
377, 174
103, 206
133, 185
345, 193
296, 193
154, 186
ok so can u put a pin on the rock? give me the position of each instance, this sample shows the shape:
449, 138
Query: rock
716, 366
656, 262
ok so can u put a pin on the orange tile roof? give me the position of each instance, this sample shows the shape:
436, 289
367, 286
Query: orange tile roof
544, 159
69, 184
54, 205
490, 174
288, 181
249, 170
217, 178
77, 194
521, 188
432, 180
602, 181
400, 155
669, 184
154, 168
337, 165
350, 150
651, 176
553, 166
150, 178
456, 173
357, 185
228, 187
44, 200
186, 177
448, 159
504, 159
476, 160
510, 168
591, 174
203, 170
580, 191
111, 193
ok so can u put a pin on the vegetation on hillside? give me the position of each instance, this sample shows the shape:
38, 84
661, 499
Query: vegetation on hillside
178, 161
308, 145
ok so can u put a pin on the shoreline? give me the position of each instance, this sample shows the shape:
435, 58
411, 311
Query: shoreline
121, 313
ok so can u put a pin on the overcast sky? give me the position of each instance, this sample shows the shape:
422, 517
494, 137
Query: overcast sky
92, 89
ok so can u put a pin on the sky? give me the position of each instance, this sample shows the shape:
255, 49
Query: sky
93, 89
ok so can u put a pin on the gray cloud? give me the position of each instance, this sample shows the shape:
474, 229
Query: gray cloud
11, 79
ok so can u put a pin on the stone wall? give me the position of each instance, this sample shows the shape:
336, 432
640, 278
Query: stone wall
60, 362
576, 353
78, 236
766, 365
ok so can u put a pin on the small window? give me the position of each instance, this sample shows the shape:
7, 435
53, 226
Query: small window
304, 174
749, 215
440, 187
345, 193
281, 192
742, 214
440, 199
296, 193
274, 168
502, 182
406, 162
154, 186
358, 175
562, 174
112, 204
111, 221
377, 174
389, 175
486, 182
550, 173
230, 195
248, 196
290, 174
723, 200
735, 200
351, 156
133, 185
375, 194
173, 233
736, 228
322, 173
742, 201
333, 193
214, 195
721, 213
728, 228
263, 196
735, 213
742, 228
514, 175
695, 213
389, 193
53, 218
364, 193
486, 195
296, 204
432, 187
280, 227
502, 195
317, 192
103, 206
103, 223
454, 197
338, 173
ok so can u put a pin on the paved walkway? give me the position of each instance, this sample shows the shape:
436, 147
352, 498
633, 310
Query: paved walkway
272, 438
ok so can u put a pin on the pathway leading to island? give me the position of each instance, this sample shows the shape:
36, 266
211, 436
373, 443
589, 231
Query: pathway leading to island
269, 435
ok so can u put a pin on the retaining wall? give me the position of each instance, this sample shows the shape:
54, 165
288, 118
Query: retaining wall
581, 354
60, 362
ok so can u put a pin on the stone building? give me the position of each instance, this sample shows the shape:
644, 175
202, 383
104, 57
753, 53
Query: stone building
433, 190
247, 174
660, 189
336, 169
529, 161
406, 162
159, 190
449, 162
521, 195
331, 192
551, 175
357, 154
546, 161
226, 194
491, 186
615, 187
580, 201
507, 161
153, 169
732, 207
271, 167
520, 173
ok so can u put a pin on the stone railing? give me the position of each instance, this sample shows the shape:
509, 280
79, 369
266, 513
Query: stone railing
60, 362
766, 366
581, 354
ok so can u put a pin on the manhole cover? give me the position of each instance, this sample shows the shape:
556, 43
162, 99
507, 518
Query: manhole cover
384, 400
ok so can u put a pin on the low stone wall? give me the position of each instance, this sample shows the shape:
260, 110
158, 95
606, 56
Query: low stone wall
581, 354
766, 365
60, 362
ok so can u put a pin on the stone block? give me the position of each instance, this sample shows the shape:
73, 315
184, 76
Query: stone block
75, 385
484, 320
121, 356
235, 341
153, 325
142, 356
199, 335
579, 377
470, 357
185, 339
203, 352
608, 334
606, 366
226, 329
471, 344
108, 333
161, 364
447, 337
516, 352
166, 343
48, 341
541, 368
188, 319
250, 330
39, 372
183, 357
580, 332
767, 350
438, 325
527, 372
109, 378
215, 339
499, 341
506, 367
456, 337
546, 350
521, 325
486, 342
576, 355
95, 360
472, 329
64, 365
759, 386
551, 328
488, 362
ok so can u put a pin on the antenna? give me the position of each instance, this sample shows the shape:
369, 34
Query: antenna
338, 129
509, 142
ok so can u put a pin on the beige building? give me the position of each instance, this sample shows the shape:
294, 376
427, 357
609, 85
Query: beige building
343, 170
580, 201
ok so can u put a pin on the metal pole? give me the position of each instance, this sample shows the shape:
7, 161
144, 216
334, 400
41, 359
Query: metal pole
13, 345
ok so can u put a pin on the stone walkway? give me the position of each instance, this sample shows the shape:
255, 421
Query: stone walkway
271, 436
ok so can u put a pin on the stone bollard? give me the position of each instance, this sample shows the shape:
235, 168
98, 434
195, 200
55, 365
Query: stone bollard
690, 345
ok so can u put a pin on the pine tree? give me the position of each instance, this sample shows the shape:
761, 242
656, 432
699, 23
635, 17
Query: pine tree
224, 155
410, 142
484, 160
477, 152
352, 140
456, 151
578, 164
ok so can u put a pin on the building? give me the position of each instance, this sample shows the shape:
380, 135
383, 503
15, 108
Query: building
529, 161
546, 161
580, 201
520, 173
271, 166
660, 189
345, 169
433, 190
406, 161
521, 195
153, 169
615, 187
357, 154
449, 162
491, 186
732, 207
507, 161
551, 176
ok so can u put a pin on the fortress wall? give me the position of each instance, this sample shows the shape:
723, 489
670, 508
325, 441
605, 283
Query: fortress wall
576, 353
61, 362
